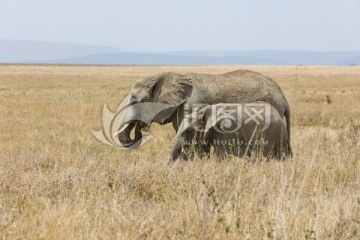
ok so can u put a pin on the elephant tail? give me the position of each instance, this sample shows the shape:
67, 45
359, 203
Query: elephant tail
287, 117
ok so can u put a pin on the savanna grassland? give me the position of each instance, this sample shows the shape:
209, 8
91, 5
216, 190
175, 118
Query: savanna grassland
58, 182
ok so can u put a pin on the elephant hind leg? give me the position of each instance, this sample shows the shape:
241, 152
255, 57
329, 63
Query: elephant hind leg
220, 152
288, 152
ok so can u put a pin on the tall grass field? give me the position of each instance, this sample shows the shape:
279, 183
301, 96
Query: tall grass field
58, 182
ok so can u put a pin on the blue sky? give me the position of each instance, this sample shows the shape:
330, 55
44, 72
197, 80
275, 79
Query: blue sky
160, 25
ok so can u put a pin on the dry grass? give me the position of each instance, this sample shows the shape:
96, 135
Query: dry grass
58, 182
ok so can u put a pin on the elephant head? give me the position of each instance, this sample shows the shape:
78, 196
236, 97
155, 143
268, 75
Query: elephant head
153, 99
194, 130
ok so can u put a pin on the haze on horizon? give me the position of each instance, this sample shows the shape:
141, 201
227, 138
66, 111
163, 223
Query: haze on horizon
159, 25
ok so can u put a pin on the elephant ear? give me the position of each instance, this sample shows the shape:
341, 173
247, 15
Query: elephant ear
171, 88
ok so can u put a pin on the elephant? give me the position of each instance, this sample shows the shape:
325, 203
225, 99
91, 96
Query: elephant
181, 92
238, 129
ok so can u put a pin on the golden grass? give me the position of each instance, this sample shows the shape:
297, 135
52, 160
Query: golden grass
58, 182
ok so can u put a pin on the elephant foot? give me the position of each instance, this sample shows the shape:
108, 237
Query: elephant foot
170, 163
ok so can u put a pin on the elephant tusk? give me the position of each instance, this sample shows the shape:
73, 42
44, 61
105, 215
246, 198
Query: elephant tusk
122, 129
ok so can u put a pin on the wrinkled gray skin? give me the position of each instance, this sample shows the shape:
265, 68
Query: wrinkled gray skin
199, 132
241, 86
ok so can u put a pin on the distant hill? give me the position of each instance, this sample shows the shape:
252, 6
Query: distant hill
354, 61
13, 51
19, 51
167, 58
263, 57
307, 57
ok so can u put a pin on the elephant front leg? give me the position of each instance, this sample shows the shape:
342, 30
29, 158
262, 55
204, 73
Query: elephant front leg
203, 151
220, 152
188, 153
183, 153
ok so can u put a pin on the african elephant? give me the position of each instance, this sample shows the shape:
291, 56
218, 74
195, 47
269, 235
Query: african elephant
180, 92
237, 129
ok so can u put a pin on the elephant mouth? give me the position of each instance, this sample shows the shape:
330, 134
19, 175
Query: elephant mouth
125, 132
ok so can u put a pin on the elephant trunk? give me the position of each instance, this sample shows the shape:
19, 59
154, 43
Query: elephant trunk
176, 148
124, 136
